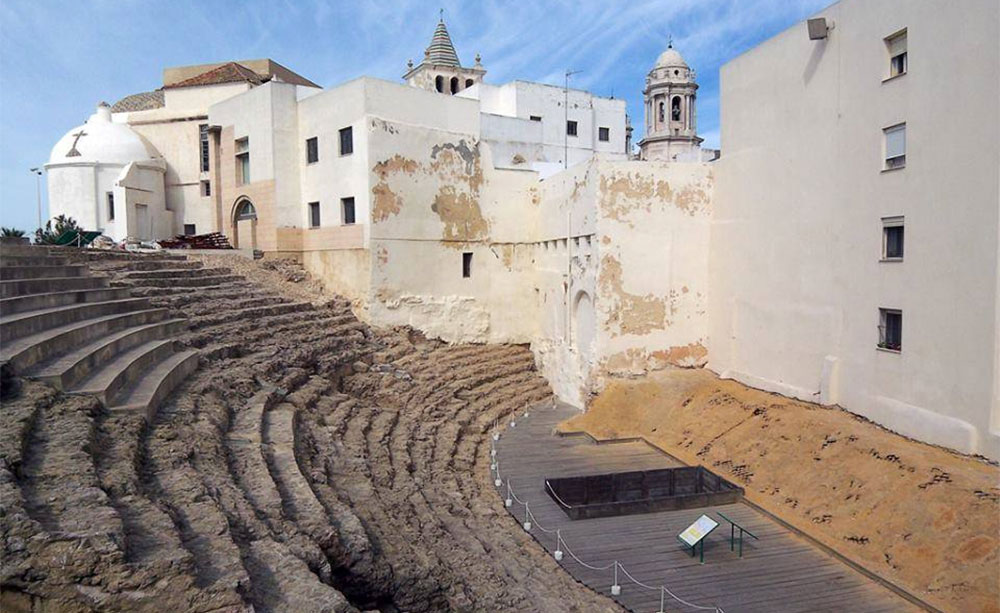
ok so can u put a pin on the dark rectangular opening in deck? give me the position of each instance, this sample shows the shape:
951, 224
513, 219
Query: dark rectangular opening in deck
642, 491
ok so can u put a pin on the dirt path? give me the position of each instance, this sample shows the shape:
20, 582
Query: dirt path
924, 518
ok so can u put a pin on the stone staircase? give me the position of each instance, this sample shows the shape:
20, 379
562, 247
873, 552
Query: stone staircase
61, 324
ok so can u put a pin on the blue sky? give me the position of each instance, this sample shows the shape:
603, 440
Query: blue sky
58, 59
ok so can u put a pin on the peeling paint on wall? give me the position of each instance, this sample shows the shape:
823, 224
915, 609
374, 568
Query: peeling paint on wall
622, 193
387, 203
460, 213
453, 166
628, 313
692, 354
638, 361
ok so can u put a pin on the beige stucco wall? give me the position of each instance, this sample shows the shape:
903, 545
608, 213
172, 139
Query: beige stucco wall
653, 235
628, 240
435, 195
796, 274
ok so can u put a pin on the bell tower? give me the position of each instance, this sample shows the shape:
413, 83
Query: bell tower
440, 70
671, 121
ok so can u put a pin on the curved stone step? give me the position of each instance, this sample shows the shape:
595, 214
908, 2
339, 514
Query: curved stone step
154, 264
299, 499
145, 397
125, 369
104, 255
31, 322
173, 273
244, 444
27, 351
22, 287
30, 260
174, 282
73, 367
13, 273
248, 313
32, 302
284, 582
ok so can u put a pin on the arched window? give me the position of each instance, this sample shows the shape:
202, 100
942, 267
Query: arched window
468, 83
439, 83
675, 108
662, 115
245, 210
454, 85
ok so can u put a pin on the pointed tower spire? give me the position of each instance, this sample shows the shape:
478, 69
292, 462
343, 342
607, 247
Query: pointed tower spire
441, 52
440, 69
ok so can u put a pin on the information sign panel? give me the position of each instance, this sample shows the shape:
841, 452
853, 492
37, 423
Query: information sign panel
698, 530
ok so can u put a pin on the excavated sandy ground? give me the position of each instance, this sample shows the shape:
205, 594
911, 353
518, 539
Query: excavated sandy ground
922, 517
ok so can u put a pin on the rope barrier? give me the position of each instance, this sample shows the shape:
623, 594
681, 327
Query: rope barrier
561, 543
637, 582
581, 562
555, 495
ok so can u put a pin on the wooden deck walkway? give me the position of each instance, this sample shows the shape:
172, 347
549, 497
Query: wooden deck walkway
780, 572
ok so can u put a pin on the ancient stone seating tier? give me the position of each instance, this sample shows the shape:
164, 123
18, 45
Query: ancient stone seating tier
70, 328
310, 463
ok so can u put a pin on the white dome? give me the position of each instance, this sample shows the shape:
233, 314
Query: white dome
670, 58
103, 141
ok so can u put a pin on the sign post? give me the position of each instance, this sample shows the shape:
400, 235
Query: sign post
694, 535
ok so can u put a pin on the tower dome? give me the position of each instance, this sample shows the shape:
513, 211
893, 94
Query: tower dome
670, 58
102, 141
671, 122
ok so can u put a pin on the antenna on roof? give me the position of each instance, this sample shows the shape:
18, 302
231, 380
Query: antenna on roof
670, 41
569, 73
441, 14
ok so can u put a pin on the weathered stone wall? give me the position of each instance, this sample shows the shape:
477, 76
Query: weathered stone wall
623, 286
435, 197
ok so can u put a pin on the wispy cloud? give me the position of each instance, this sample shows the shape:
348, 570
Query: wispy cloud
58, 59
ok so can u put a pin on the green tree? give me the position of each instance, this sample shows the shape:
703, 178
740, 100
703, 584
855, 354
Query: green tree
48, 234
11, 232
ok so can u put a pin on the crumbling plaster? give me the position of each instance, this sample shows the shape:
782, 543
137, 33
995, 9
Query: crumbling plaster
645, 267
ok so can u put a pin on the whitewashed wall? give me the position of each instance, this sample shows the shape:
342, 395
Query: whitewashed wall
795, 273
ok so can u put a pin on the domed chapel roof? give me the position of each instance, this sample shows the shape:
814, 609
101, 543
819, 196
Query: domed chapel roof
101, 140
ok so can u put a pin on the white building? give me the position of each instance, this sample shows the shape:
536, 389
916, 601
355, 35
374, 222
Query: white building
107, 176
484, 213
548, 128
837, 149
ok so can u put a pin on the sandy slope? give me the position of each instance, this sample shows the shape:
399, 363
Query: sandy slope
922, 517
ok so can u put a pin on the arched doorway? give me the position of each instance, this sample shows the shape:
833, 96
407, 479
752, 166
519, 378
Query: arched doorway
583, 324
244, 224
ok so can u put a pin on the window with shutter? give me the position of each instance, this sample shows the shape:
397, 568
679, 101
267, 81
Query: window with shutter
895, 146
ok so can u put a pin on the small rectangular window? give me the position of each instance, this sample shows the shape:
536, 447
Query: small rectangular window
466, 265
892, 238
189, 229
313, 214
890, 329
312, 150
346, 141
571, 128
347, 208
895, 146
111, 206
203, 145
243, 161
535, 117
206, 188
896, 45
604, 134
